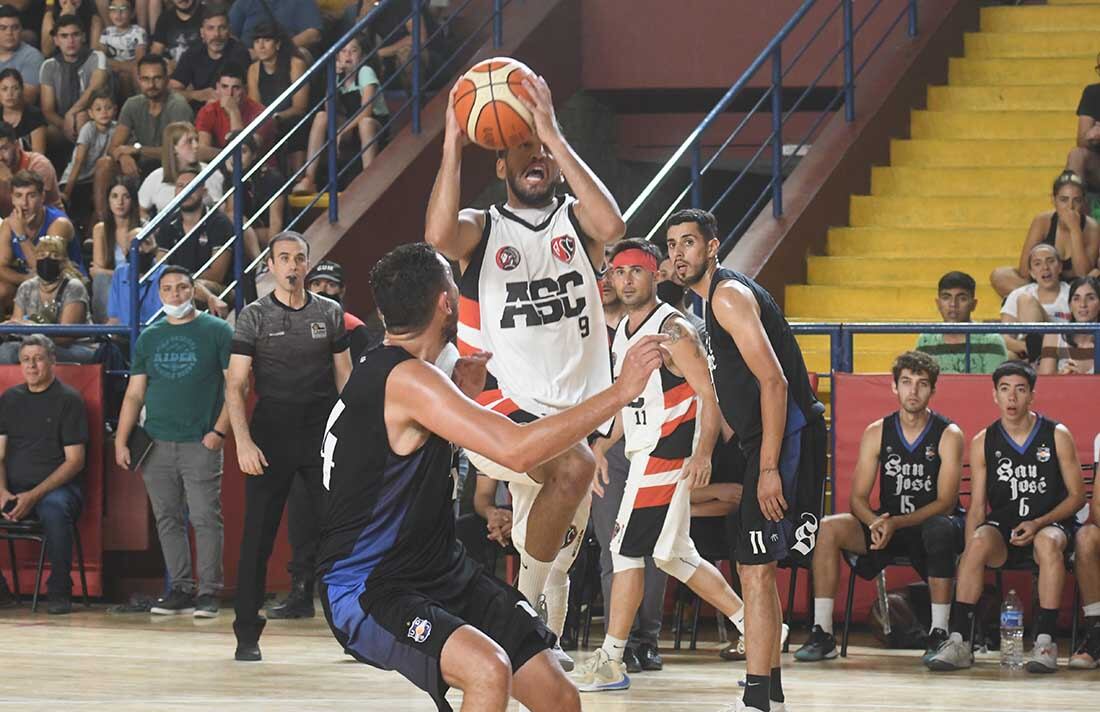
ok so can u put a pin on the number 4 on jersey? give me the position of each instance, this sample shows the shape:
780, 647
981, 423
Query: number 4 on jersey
330, 442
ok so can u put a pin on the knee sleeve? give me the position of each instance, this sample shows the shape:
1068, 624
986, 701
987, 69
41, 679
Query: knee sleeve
681, 568
940, 546
624, 563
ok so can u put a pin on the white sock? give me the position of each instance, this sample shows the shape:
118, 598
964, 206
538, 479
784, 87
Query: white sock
1092, 610
614, 648
941, 615
823, 614
738, 620
557, 601
532, 577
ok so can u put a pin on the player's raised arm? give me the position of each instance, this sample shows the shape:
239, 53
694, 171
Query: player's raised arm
449, 229
689, 358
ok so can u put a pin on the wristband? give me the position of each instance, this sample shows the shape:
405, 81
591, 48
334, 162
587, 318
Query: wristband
220, 435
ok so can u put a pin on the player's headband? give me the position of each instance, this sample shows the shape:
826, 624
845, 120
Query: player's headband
635, 257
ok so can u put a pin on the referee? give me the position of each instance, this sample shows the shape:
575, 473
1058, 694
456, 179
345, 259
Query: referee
295, 344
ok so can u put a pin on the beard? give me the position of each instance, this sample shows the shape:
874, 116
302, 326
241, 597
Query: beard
530, 198
450, 327
694, 274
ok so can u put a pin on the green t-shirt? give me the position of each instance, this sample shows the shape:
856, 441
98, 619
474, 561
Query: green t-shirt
185, 364
987, 352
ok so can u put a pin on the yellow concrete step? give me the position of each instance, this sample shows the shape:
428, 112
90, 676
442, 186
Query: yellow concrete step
908, 242
1020, 72
1040, 18
910, 180
994, 125
830, 303
1004, 45
969, 153
1057, 97
963, 211
921, 270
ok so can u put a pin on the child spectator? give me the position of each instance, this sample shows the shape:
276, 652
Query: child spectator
124, 42
27, 119
86, 13
179, 148
91, 145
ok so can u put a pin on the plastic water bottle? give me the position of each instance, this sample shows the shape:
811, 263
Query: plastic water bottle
1012, 632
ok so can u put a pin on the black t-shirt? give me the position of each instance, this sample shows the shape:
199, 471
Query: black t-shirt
196, 70
258, 190
31, 119
177, 35
38, 426
1090, 102
194, 253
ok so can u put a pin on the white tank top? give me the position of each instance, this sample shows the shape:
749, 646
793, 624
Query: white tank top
662, 418
530, 296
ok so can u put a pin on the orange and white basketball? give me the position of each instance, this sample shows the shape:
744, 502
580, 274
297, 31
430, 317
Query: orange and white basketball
487, 103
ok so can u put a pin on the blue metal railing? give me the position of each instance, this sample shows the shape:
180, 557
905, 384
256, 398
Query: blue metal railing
773, 97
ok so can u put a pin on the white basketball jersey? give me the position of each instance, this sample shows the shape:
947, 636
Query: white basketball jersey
664, 413
530, 296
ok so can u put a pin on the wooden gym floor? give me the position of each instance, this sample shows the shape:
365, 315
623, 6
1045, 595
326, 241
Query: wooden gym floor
94, 661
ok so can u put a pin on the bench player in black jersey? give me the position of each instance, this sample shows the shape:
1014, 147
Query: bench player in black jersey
1025, 467
765, 396
916, 454
398, 590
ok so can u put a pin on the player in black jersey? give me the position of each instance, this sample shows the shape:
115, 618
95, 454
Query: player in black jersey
765, 396
398, 590
1026, 469
917, 456
1087, 570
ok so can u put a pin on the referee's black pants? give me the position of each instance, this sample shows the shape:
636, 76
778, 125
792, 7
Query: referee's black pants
290, 439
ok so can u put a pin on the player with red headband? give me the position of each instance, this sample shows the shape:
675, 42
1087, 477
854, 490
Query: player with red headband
670, 430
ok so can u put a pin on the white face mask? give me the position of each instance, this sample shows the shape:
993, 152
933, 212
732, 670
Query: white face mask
179, 311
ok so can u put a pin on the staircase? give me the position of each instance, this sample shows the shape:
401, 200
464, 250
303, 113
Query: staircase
960, 193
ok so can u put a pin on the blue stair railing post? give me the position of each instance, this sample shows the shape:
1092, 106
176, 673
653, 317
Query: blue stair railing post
238, 229
912, 30
849, 65
498, 23
847, 350
330, 109
696, 173
416, 66
1096, 351
966, 352
777, 130
135, 282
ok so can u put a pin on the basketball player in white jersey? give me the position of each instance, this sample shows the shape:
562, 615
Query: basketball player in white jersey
670, 430
529, 295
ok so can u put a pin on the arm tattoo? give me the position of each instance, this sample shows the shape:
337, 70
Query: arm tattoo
674, 330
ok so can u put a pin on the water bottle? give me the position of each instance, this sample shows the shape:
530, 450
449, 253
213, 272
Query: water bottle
1012, 632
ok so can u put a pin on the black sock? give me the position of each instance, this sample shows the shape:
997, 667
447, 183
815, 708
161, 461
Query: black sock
1047, 621
777, 685
757, 689
1092, 623
962, 622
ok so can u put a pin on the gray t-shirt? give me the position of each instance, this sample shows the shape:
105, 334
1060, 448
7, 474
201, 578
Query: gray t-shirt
148, 130
50, 75
27, 60
97, 142
29, 299
292, 349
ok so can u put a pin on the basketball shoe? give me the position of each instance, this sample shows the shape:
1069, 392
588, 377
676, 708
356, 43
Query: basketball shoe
740, 706
736, 651
935, 639
820, 646
1087, 656
1044, 656
601, 674
560, 655
954, 654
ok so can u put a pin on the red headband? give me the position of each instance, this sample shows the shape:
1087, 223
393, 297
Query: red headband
635, 256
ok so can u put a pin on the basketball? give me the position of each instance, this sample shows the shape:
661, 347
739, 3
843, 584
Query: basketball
487, 103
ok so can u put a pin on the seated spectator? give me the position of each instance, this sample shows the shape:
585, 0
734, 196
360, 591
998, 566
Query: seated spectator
43, 435
56, 294
265, 183
68, 80
111, 238
301, 19
1084, 159
231, 110
27, 119
392, 28
1073, 353
358, 86
16, 54
1067, 229
91, 145
14, 159
327, 279
178, 148
123, 42
29, 221
277, 66
956, 301
149, 304
1046, 298
177, 30
198, 69
85, 10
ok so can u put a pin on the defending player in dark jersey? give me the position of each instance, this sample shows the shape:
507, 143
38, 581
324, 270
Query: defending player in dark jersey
764, 394
1026, 469
916, 456
398, 590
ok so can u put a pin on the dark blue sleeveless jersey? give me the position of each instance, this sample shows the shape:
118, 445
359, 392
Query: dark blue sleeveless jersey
1022, 482
909, 472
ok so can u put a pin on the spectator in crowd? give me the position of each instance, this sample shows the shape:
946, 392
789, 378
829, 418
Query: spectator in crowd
145, 12
956, 301
1073, 353
27, 119
56, 294
111, 240
149, 304
301, 19
231, 110
199, 68
1046, 298
91, 145
1083, 158
30, 220
327, 279
358, 86
123, 42
185, 416
265, 183
1087, 571
14, 159
43, 435
299, 369
177, 30
277, 66
68, 80
489, 525
1074, 235
179, 147
87, 17
16, 54
392, 29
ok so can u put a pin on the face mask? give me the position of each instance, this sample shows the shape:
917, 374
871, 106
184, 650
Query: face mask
179, 311
670, 293
334, 297
49, 269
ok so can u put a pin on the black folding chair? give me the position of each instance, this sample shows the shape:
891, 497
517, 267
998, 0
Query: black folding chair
32, 530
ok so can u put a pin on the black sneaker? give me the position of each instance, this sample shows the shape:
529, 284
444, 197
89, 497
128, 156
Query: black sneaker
630, 659
936, 638
206, 606
651, 659
298, 604
176, 603
820, 646
61, 604
7, 598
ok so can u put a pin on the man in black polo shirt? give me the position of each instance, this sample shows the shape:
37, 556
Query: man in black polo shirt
294, 343
197, 69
